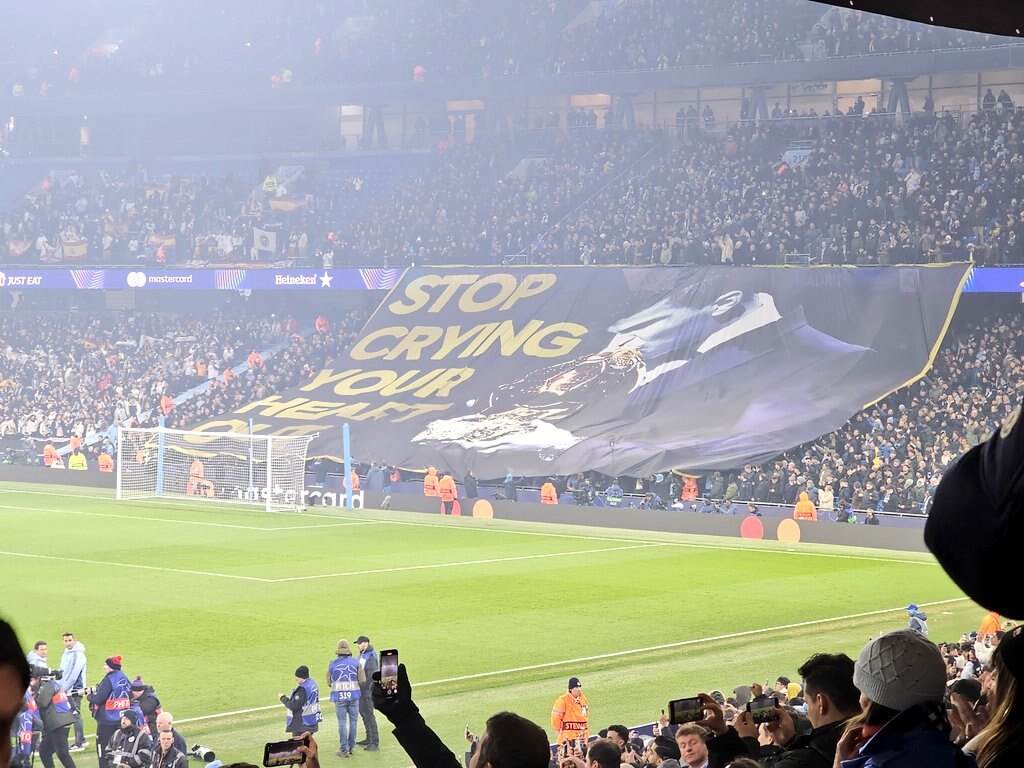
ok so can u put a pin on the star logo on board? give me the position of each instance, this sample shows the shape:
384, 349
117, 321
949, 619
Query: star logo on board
325, 279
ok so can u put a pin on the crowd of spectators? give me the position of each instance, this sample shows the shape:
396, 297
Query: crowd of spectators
126, 368
660, 34
278, 44
471, 205
904, 700
868, 192
862, 189
133, 215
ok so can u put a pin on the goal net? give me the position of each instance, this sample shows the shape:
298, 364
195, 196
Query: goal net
265, 471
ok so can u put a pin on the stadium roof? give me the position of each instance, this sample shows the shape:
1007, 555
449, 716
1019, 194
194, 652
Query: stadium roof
997, 17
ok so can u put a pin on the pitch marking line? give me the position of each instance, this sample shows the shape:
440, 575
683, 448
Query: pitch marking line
262, 580
349, 521
488, 529
610, 655
132, 565
467, 562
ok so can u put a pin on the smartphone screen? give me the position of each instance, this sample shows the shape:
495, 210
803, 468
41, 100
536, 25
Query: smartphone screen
389, 671
682, 711
764, 709
284, 753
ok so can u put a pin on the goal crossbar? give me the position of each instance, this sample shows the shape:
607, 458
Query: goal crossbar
230, 467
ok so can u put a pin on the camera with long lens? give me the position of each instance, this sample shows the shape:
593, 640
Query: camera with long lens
88, 690
46, 672
205, 754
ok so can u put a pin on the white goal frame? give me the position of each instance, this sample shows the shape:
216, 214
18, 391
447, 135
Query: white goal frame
268, 471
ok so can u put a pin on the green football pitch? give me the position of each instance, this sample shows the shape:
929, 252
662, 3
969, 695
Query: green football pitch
216, 607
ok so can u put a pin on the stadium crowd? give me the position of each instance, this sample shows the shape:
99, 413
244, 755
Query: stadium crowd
861, 190
349, 41
868, 192
127, 368
904, 701
124, 216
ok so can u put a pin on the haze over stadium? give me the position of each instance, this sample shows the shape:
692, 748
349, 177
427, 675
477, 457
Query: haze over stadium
620, 364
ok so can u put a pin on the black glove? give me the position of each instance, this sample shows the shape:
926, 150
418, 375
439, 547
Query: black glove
398, 707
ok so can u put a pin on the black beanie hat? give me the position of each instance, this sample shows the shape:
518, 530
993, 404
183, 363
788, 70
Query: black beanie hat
302, 671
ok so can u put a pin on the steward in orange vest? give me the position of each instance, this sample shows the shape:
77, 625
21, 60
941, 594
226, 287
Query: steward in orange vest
430, 482
446, 490
548, 494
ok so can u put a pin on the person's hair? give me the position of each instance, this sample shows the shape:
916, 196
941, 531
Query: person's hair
38, 643
1006, 728
872, 714
69, 634
619, 730
514, 742
744, 762
783, 679
831, 674
606, 754
691, 729
11, 655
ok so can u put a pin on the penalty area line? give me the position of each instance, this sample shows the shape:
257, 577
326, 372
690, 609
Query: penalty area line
488, 561
135, 565
610, 655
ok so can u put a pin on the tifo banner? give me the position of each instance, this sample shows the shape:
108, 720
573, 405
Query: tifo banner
624, 370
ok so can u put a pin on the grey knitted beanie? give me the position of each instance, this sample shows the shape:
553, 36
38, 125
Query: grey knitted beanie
900, 669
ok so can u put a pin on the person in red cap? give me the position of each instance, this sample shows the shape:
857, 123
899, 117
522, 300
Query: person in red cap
107, 701
570, 714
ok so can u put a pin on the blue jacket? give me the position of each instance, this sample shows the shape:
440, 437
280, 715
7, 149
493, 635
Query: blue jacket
343, 674
113, 696
72, 665
305, 706
915, 738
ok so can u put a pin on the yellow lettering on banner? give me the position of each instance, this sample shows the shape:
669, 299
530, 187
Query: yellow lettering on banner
419, 297
270, 406
325, 377
531, 285
413, 344
509, 340
443, 385
480, 294
314, 409
229, 425
558, 345
454, 336
356, 381
361, 351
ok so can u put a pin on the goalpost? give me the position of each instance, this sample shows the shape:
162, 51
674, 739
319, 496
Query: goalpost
263, 470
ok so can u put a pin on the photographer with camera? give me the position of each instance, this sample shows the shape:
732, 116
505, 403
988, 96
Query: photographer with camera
129, 746
72, 680
508, 739
107, 701
56, 713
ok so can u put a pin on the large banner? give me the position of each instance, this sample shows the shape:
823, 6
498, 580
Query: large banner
542, 371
